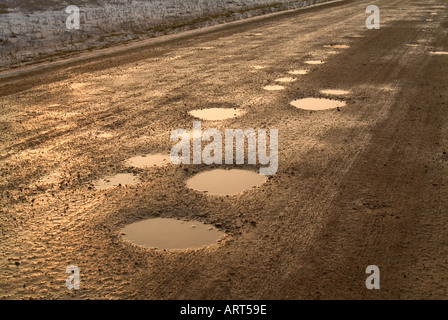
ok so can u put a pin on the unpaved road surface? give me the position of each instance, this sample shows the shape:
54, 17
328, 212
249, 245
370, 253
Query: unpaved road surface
363, 185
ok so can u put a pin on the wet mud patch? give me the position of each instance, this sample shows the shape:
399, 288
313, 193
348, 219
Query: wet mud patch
224, 182
317, 104
171, 234
118, 180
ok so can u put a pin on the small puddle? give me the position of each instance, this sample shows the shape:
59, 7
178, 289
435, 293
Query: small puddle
439, 52
337, 46
314, 62
335, 92
434, 13
286, 79
297, 72
149, 160
317, 104
429, 20
274, 88
225, 182
163, 233
214, 114
258, 67
412, 44
119, 179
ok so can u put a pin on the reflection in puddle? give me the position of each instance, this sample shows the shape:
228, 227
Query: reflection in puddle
317, 104
285, 79
335, 92
214, 114
153, 160
119, 179
296, 72
225, 182
162, 233
274, 88
337, 46
314, 62
439, 52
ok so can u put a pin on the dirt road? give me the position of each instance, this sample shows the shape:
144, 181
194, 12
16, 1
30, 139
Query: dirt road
363, 185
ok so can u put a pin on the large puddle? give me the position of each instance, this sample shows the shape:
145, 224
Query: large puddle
225, 182
163, 233
317, 104
215, 114
120, 179
149, 160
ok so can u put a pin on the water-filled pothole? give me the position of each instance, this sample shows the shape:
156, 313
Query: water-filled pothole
317, 104
314, 62
439, 52
335, 92
273, 88
214, 114
337, 46
119, 179
297, 72
149, 160
163, 233
225, 182
286, 79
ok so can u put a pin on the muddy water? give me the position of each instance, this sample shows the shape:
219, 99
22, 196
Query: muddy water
337, 46
225, 182
317, 104
286, 79
162, 233
215, 114
149, 160
120, 179
297, 72
335, 92
314, 62
274, 88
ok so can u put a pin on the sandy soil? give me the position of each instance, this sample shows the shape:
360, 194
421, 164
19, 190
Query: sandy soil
365, 185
